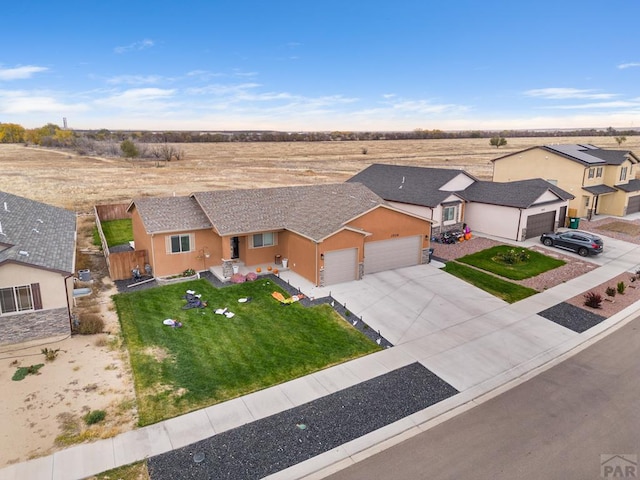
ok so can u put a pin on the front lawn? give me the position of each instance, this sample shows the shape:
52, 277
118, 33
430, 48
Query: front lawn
527, 264
509, 292
212, 358
116, 232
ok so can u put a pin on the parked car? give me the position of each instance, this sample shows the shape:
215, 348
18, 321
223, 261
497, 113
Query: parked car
583, 243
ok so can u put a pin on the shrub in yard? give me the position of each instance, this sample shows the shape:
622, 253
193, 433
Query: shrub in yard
593, 299
189, 272
610, 291
621, 287
512, 256
94, 417
90, 324
50, 354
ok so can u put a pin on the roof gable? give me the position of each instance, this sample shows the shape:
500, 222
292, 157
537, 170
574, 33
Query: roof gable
170, 214
518, 194
405, 184
37, 234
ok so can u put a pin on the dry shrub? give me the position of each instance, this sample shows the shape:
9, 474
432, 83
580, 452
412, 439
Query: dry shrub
90, 324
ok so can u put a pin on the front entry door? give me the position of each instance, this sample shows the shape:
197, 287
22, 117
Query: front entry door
235, 248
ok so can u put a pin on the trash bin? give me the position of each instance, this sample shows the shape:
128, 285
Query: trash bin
430, 255
278, 260
574, 222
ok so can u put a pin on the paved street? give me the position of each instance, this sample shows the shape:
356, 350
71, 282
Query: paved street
556, 425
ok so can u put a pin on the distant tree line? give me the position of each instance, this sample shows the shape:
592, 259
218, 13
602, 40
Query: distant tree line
154, 144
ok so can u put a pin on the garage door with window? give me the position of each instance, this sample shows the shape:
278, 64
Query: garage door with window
340, 266
634, 205
540, 223
390, 254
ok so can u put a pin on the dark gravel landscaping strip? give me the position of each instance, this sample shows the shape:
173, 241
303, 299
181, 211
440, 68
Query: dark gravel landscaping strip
572, 317
285, 439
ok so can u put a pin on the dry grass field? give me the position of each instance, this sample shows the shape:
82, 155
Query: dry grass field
77, 182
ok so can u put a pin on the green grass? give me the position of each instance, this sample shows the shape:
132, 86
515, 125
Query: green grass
535, 265
509, 292
212, 358
116, 232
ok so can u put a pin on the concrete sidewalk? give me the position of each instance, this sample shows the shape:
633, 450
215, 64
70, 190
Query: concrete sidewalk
478, 344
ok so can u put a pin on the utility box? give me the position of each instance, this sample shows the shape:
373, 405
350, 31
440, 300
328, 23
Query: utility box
84, 275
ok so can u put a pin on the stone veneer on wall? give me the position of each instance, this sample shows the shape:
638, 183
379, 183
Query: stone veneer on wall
34, 325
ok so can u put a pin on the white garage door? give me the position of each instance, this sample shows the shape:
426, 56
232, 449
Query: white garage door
340, 266
390, 254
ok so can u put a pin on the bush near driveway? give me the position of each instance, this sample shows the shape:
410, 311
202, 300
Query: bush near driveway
489, 260
212, 358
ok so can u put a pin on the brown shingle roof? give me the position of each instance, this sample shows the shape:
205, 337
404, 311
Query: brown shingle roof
171, 214
314, 211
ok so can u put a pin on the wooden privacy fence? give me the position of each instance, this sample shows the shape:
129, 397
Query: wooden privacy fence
121, 263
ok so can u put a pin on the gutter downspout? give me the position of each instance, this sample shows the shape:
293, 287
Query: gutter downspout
66, 291
317, 272
153, 254
519, 222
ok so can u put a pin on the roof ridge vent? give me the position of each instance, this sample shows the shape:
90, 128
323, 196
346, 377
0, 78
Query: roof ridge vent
24, 253
6, 207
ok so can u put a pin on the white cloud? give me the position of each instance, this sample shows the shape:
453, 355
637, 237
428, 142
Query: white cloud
135, 80
567, 93
20, 73
21, 102
602, 105
136, 98
622, 66
135, 46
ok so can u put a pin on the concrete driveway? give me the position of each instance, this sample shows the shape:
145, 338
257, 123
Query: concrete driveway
408, 303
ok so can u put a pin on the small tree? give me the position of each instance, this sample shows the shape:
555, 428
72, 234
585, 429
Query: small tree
621, 139
497, 141
129, 149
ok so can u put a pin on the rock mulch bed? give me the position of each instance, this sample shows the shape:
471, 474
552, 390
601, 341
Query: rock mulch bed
272, 444
599, 227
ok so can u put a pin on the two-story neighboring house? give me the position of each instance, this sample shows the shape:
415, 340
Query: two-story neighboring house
602, 181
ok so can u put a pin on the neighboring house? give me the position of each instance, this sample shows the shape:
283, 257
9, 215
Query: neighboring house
450, 198
328, 233
602, 181
37, 260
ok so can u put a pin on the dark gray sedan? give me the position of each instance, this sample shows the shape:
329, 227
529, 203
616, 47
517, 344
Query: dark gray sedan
583, 243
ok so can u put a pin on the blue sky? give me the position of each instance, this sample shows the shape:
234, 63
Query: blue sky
323, 65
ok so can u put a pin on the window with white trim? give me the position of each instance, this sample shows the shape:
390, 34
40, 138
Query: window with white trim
623, 173
592, 172
267, 239
16, 299
180, 243
449, 214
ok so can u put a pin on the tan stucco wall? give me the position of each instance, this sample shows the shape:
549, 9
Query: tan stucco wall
303, 256
384, 224
52, 284
539, 163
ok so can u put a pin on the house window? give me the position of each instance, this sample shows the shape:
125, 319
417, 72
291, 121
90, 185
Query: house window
264, 240
16, 299
449, 214
586, 201
598, 172
180, 243
623, 173
592, 172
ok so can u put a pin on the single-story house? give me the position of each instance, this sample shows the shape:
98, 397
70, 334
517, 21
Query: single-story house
327, 233
601, 181
37, 261
450, 198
